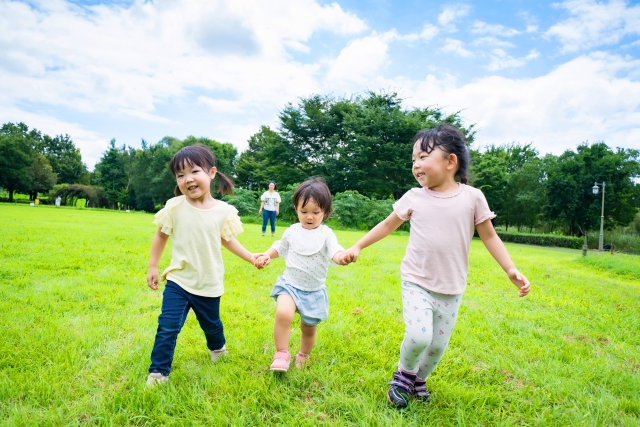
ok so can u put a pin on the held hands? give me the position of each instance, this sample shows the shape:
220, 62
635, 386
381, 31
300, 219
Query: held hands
261, 261
343, 258
152, 278
520, 281
353, 253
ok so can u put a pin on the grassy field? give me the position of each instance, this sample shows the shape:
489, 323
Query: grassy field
78, 322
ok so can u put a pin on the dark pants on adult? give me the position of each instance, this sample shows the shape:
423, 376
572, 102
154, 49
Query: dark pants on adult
268, 216
176, 303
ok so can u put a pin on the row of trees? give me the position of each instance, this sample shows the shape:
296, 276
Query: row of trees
32, 162
362, 147
526, 189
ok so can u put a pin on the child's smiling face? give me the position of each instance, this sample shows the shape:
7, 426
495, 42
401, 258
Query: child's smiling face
310, 215
433, 169
195, 182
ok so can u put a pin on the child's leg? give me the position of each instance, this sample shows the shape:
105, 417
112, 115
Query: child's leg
175, 307
207, 312
285, 310
308, 338
418, 319
444, 320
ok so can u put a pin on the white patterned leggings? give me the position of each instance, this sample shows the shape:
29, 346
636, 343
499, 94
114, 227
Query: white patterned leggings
429, 319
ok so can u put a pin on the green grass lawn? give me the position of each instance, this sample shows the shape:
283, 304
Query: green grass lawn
78, 323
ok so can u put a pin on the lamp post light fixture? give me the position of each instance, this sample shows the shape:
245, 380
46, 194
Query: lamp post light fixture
596, 189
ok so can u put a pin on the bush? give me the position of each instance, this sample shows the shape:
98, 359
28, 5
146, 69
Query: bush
542, 239
354, 210
246, 201
287, 211
145, 203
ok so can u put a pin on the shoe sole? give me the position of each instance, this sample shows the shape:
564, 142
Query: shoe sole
278, 369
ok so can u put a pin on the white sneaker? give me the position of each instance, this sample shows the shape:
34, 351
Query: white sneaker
156, 378
217, 354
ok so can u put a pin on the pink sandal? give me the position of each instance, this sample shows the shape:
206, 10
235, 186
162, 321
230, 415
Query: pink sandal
281, 361
302, 360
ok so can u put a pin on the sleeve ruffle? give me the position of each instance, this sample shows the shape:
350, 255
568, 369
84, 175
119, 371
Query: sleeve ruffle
485, 217
232, 226
164, 217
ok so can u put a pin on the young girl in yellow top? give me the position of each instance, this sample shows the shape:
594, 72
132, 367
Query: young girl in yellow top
199, 225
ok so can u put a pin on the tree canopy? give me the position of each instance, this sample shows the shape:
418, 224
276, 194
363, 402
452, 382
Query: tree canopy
361, 143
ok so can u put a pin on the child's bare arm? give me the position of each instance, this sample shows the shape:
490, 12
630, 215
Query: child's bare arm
157, 248
238, 250
379, 232
496, 248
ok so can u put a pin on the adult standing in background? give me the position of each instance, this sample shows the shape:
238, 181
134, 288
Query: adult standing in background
270, 208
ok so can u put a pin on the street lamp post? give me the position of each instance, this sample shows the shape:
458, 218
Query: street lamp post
596, 189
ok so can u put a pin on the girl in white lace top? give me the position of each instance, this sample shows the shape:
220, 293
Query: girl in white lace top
308, 248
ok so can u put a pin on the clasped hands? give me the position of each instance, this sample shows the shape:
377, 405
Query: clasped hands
261, 260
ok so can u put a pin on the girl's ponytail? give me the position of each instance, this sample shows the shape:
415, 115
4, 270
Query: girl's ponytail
226, 184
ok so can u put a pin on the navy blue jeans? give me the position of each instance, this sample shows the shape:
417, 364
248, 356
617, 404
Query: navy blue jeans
176, 303
271, 217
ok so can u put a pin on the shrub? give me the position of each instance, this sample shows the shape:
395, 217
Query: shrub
354, 210
542, 239
246, 201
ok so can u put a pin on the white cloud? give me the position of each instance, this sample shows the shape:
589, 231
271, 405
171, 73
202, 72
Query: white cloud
589, 98
531, 28
428, 32
595, 24
455, 46
497, 30
128, 61
452, 13
491, 41
501, 60
361, 58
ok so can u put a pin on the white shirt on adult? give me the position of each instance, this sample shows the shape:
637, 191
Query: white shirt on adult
271, 200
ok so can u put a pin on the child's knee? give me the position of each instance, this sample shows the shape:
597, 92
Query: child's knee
284, 315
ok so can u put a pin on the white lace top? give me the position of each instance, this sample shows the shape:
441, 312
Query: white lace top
307, 254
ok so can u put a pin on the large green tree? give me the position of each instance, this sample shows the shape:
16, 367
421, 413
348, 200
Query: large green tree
571, 177
512, 180
41, 176
18, 145
65, 158
361, 143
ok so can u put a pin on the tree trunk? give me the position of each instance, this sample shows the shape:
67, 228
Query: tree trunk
11, 195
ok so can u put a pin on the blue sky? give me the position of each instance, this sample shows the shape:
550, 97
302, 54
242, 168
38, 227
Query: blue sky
553, 74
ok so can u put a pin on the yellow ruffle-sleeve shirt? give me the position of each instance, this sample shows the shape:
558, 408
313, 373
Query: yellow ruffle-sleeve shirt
196, 256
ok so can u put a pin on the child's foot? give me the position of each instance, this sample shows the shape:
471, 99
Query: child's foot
420, 390
273, 235
156, 378
302, 360
281, 361
401, 388
217, 354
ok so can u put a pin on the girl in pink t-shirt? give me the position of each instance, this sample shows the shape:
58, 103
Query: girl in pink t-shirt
443, 214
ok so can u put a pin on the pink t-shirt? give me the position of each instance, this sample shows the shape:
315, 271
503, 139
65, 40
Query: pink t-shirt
442, 226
